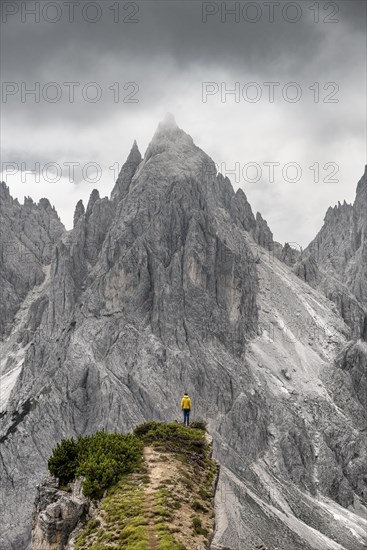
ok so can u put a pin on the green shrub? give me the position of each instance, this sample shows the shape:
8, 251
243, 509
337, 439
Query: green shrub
101, 458
64, 460
143, 429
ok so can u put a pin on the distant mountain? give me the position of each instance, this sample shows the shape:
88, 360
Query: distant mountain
336, 260
340, 248
28, 235
169, 286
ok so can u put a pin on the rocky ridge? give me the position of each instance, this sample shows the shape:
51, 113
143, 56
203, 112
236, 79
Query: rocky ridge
29, 232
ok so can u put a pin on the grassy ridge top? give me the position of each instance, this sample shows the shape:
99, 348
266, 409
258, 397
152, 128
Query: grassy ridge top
102, 458
153, 489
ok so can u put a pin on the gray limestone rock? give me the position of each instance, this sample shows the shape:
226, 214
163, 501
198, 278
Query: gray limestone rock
169, 286
56, 514
336, 260
28, 235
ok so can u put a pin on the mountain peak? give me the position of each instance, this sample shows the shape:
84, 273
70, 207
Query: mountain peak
167, 129
134, 155
126, 173
168, 122
170, 139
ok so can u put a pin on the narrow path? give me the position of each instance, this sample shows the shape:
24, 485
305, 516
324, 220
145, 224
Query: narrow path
153, 540
169, 476
155, 479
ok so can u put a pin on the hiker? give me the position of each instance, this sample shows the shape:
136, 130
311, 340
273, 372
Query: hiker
186, 408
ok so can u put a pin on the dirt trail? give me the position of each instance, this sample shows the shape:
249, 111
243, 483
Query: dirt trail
156, 474
165, 471
153, 540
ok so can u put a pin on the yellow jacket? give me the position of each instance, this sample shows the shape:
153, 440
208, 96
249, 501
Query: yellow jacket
186, 402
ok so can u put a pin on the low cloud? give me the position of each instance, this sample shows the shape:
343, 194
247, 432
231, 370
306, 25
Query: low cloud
161, 63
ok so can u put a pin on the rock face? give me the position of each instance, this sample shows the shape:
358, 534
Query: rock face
336, 260
28, 235
353, 359
289, 255
56, 514
169, 287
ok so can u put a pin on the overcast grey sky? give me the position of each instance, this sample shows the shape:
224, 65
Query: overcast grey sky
167, 51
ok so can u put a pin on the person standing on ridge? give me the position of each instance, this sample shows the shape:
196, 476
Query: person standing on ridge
186, 408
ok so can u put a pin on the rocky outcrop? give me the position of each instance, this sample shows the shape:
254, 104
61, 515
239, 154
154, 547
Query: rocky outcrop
289, 255
306, 268
262, 234
256, 226
353, 359
56, 514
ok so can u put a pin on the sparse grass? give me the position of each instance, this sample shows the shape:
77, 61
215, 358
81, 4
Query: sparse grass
198, 507
204, 494
166, 540
176, 504
124, 521
199, 425
187, 483
174, 438
163, 503
198, 528
182, 458
93, 524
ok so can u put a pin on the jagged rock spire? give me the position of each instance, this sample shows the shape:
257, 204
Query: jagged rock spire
94, 196
4, 191
79, 211
126, 173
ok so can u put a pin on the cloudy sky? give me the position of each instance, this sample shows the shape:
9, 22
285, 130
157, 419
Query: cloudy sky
105, 73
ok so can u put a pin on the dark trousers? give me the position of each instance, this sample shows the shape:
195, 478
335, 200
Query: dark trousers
186, 413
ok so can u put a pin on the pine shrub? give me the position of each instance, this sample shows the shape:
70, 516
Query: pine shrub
63, 463
101, 458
